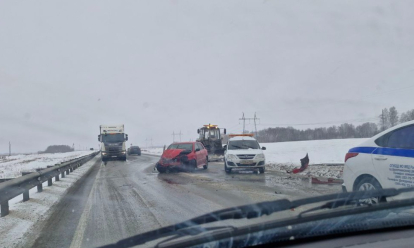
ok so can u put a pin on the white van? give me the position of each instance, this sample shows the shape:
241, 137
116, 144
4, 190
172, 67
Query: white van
243, 152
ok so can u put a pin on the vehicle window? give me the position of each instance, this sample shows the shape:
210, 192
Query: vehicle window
181, 146
243, 144
402, 138
293, 94
112, 138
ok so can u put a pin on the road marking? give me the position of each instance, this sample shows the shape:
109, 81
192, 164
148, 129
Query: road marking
83, 221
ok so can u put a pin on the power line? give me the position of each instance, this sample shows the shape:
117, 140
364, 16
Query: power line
249, 119
176, 134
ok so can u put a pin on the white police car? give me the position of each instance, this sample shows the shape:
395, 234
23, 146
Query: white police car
243, 152
383, 161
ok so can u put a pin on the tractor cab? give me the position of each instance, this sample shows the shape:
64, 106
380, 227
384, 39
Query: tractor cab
210, 137
209, 132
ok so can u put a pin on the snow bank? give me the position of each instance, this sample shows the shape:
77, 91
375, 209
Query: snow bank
24, 216
320, 151
152, 151
13, 166
326, 156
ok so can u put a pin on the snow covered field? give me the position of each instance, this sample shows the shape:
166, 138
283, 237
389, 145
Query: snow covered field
13, 166
326, 156
152, 151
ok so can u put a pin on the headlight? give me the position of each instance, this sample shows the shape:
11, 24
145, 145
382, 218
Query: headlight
103, 153
231, 157
260, 156
123, 152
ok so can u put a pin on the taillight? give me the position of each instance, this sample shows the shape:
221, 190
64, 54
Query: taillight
350, 155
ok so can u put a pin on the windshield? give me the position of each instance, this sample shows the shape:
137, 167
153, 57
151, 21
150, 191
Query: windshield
113, 138
213, 104
243, 144
181, 146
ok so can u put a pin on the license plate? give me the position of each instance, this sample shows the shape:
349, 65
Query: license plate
246, 162
114, 156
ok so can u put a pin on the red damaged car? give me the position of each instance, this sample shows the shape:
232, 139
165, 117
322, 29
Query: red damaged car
183, 156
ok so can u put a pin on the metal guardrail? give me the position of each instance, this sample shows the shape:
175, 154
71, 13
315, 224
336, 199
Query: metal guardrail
23, 184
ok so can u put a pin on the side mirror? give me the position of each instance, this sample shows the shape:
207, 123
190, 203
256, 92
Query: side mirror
263, 148
197, 150
225, 131
126, 136
198, 130
99, 137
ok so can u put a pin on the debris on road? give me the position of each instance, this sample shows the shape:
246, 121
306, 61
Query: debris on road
304, 165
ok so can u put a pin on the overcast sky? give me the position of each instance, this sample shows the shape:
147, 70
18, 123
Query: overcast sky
67, 67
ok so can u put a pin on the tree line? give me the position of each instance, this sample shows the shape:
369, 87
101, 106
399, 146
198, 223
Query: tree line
388, 118
58, 149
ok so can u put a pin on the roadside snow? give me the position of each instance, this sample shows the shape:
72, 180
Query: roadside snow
326, 156
13, 166
152, 151
24, 216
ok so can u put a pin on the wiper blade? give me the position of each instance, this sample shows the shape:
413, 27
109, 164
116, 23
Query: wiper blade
254, 211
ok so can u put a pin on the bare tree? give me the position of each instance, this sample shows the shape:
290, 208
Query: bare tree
384, 119
393, 116
407, 116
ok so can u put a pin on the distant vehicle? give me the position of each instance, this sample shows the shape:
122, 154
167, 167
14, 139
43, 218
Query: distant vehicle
183, 156
210, 137
134, 150
383, 161
112, 138
243, 152
91, 149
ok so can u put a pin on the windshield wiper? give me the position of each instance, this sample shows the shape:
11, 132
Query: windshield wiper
256, 210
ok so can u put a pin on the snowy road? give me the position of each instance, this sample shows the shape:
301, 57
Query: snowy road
122, 199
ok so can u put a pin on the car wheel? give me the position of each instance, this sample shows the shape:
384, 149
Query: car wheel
192, 165
262, 170
206, 165
226, 169
366, 184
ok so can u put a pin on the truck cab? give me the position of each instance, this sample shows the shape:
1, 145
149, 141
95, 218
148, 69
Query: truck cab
112, 138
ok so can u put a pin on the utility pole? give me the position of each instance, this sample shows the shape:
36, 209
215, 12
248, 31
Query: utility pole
180, 135
249, 119
9, 148
244, 122
255, 127
173, 136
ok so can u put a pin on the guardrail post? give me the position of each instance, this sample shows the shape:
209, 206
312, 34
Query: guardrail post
49, 182
57, 177
26, 195
71, 169
67, 172
39, 187
63, 174
4, 208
